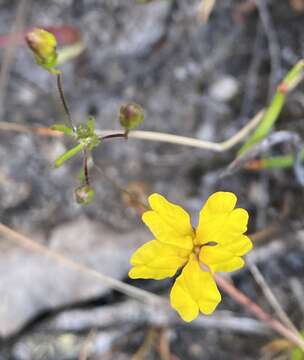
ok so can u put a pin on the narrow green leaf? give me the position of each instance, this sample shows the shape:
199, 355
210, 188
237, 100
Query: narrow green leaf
269, 118
67, 155
278, 162
297, 354
273, 111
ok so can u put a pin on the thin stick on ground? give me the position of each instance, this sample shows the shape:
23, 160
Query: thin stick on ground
126, 289
273, 301
145, 347
257, 311
85, 349
22, 128
145, 296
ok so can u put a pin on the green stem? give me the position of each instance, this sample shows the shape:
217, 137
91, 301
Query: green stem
64, 101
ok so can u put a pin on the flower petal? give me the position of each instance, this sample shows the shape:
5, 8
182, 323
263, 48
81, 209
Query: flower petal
219, 222
193, 291
220, 202
218, 258
169, 223
238, 246
155, 260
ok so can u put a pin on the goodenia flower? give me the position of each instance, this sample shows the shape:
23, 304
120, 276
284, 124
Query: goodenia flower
217, 244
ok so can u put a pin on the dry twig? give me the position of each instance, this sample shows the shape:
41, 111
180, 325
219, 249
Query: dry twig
84, 351
146, 345
204, 10
137, 314
273, 301
145, 296
259, 312
273, 44
126, 289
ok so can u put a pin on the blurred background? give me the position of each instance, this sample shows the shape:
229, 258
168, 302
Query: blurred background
199, 78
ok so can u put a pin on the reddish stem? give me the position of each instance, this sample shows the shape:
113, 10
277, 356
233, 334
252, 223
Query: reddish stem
111, 136
257, 311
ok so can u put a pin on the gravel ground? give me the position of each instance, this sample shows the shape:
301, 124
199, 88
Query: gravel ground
200, 80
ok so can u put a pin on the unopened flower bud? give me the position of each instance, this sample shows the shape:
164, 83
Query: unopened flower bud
43, 44
131, 116
84, 194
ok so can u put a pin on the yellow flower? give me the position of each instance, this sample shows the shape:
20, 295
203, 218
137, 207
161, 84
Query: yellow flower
217, 244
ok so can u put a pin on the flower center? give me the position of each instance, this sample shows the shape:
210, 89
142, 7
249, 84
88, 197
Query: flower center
196, 252
197, 249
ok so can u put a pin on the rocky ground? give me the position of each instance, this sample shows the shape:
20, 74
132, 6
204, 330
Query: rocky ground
193, 79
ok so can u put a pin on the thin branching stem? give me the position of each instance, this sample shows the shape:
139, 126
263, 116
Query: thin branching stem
112, 136
64, 101
152, 135
187, 141
85, 166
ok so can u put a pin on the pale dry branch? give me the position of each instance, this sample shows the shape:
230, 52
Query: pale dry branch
257, 311
126, 289
204, 10
160, 305
136, 314
188, 141
151, 135
273, 301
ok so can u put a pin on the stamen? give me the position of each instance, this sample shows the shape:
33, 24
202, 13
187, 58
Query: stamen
210, 243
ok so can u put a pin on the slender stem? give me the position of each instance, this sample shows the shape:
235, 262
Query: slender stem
273, 301
129, 290
146, 296
141, 207
85, 166
64, 101
257, 311
187, 141
111, 136
157, 136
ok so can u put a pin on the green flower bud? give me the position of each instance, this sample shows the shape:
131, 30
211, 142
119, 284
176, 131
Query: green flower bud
84, 194
43, 45
131, 116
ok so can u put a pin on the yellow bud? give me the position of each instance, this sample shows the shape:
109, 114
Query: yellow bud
43, 44
131, 116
